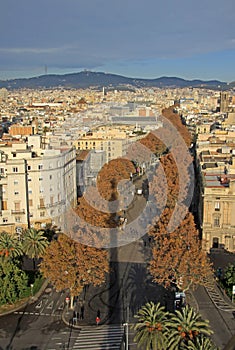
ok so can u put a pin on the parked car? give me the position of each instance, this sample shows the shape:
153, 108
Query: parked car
180, 300
139, 191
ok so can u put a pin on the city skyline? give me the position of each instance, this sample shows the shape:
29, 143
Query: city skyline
193, 40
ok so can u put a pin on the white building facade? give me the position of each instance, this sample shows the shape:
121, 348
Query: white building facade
36, 186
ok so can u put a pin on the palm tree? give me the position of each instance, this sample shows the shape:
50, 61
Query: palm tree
201, 343
10, 247
151, 328
185, 327
34, 244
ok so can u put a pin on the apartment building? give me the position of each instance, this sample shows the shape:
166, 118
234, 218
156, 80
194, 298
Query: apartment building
215, 185
20, 130
89, 163
36, 185
114, 143
218, 207
216, 188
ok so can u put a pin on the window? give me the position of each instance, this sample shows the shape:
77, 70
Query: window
217, 206
216, 222
16, 182
30, 202
29, 167
30, 191
16, 192
17, 206
17, 219
15, 169
41, 202
29, 179
42, 214
40, 167
50, 177
5, 219
40, 178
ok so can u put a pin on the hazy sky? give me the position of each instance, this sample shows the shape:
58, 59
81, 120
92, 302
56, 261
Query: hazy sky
149, 38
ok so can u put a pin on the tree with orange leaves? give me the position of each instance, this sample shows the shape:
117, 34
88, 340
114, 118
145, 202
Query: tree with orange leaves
72, 265
174, 118
177, 257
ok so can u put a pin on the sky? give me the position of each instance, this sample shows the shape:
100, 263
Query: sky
144, 39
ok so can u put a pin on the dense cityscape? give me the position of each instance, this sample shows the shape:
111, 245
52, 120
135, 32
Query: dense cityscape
117, 228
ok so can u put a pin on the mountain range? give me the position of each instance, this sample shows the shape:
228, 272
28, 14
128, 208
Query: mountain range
98, 80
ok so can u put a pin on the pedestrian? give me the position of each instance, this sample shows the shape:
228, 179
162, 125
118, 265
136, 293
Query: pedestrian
124, 223
97, 320
75, 317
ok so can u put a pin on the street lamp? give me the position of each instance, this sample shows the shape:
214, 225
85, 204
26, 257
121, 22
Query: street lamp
126, 335
31, 286
126, 325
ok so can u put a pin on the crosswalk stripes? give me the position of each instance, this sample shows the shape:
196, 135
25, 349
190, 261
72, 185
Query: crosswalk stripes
102, 337
216, 297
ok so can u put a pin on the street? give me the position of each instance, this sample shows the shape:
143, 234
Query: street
221, 322
46, 323
38, 326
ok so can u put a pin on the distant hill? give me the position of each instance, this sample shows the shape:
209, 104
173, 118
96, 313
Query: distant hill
87, 79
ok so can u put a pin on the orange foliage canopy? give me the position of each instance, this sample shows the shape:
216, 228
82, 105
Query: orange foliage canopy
71, 265
153, 143
177, 257
107, 181
174, 118
111, 173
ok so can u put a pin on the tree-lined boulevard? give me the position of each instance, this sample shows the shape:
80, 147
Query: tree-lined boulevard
93, 287
41, 325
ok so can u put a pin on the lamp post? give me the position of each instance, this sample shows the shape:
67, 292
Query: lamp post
126, 325
31, 286
126, 335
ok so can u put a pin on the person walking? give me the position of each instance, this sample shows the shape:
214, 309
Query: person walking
97, 320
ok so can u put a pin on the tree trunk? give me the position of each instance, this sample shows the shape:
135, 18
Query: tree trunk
154, 345
71, 301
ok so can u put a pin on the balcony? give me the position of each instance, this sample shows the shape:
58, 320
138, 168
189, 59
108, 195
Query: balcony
18, 212
42, 206
51, 205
